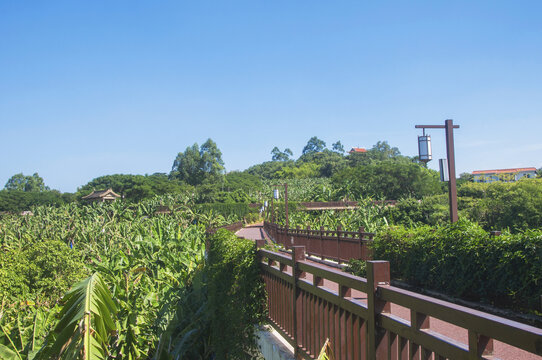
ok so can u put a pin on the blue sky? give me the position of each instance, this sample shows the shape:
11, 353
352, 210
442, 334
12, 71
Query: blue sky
104, 87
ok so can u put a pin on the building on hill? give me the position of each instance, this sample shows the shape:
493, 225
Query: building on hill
506, 175
102, 196
356, 150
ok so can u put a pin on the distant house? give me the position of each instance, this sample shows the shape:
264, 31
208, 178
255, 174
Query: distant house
506, 175
102, 196
356, 150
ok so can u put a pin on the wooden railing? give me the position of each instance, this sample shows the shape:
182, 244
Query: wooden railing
308, 303
337, 245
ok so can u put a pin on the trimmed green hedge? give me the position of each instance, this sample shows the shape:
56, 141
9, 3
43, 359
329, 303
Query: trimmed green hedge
463, 260
236, 295
240, 210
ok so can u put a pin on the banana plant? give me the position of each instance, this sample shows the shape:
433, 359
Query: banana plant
86, 323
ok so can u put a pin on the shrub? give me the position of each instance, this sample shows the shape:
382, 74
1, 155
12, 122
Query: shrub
236, 295
463, 260
44, 270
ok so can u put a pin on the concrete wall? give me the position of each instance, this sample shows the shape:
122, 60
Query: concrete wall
273, 346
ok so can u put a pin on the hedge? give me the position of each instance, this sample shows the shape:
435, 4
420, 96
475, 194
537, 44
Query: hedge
236, 295
465, 261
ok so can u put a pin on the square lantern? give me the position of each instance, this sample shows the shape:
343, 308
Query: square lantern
276, 194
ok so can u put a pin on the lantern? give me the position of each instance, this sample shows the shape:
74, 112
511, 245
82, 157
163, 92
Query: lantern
424, 148
443, 167
276, 194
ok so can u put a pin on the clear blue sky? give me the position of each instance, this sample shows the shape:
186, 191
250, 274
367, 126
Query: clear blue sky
104, 87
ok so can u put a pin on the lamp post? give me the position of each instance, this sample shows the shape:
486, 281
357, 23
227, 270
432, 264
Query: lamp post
452, 189
276, 196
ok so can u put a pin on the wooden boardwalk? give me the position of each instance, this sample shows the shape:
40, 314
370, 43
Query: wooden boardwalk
501, 350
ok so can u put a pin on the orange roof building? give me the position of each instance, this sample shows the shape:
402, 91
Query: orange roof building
356, 150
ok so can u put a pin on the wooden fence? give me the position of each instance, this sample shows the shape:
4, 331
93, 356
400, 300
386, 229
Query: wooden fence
309, 302
337, 245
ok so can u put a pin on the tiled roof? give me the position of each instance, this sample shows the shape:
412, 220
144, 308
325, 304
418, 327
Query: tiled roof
502, 171
357, 150
100, 194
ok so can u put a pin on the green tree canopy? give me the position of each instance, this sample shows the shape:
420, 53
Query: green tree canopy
383, 151
338, 147
278, 155
390, 180
133, 187
314, 145
21, 182
198, 164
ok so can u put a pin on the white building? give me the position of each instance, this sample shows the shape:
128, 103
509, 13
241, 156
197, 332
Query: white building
506, 175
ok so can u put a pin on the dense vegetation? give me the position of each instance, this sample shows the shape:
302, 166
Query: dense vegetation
465, 261
146, 271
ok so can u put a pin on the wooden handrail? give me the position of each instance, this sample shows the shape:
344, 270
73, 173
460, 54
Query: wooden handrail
309, 302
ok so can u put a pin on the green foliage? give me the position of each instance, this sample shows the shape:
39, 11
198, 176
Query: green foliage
237, 180
328, 162
20, 182
307, 170
278, 155
338, 147
86, 323
134, 187
17, 201
226, 210
368, 215
311, 189
463, 260
148, 263
499, 205
430, 210
389, 179
236, 296
268, 169
314, 145
198, 164
39, 271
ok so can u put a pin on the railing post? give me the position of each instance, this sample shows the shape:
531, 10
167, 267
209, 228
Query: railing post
378, 273
360, 235
322, 243
308, 242
298, 254
339, 229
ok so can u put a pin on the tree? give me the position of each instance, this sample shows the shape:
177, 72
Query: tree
198, 164
338, 147
314, 145
278, 155
26, 183
329, 162
383, 151
390, 180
